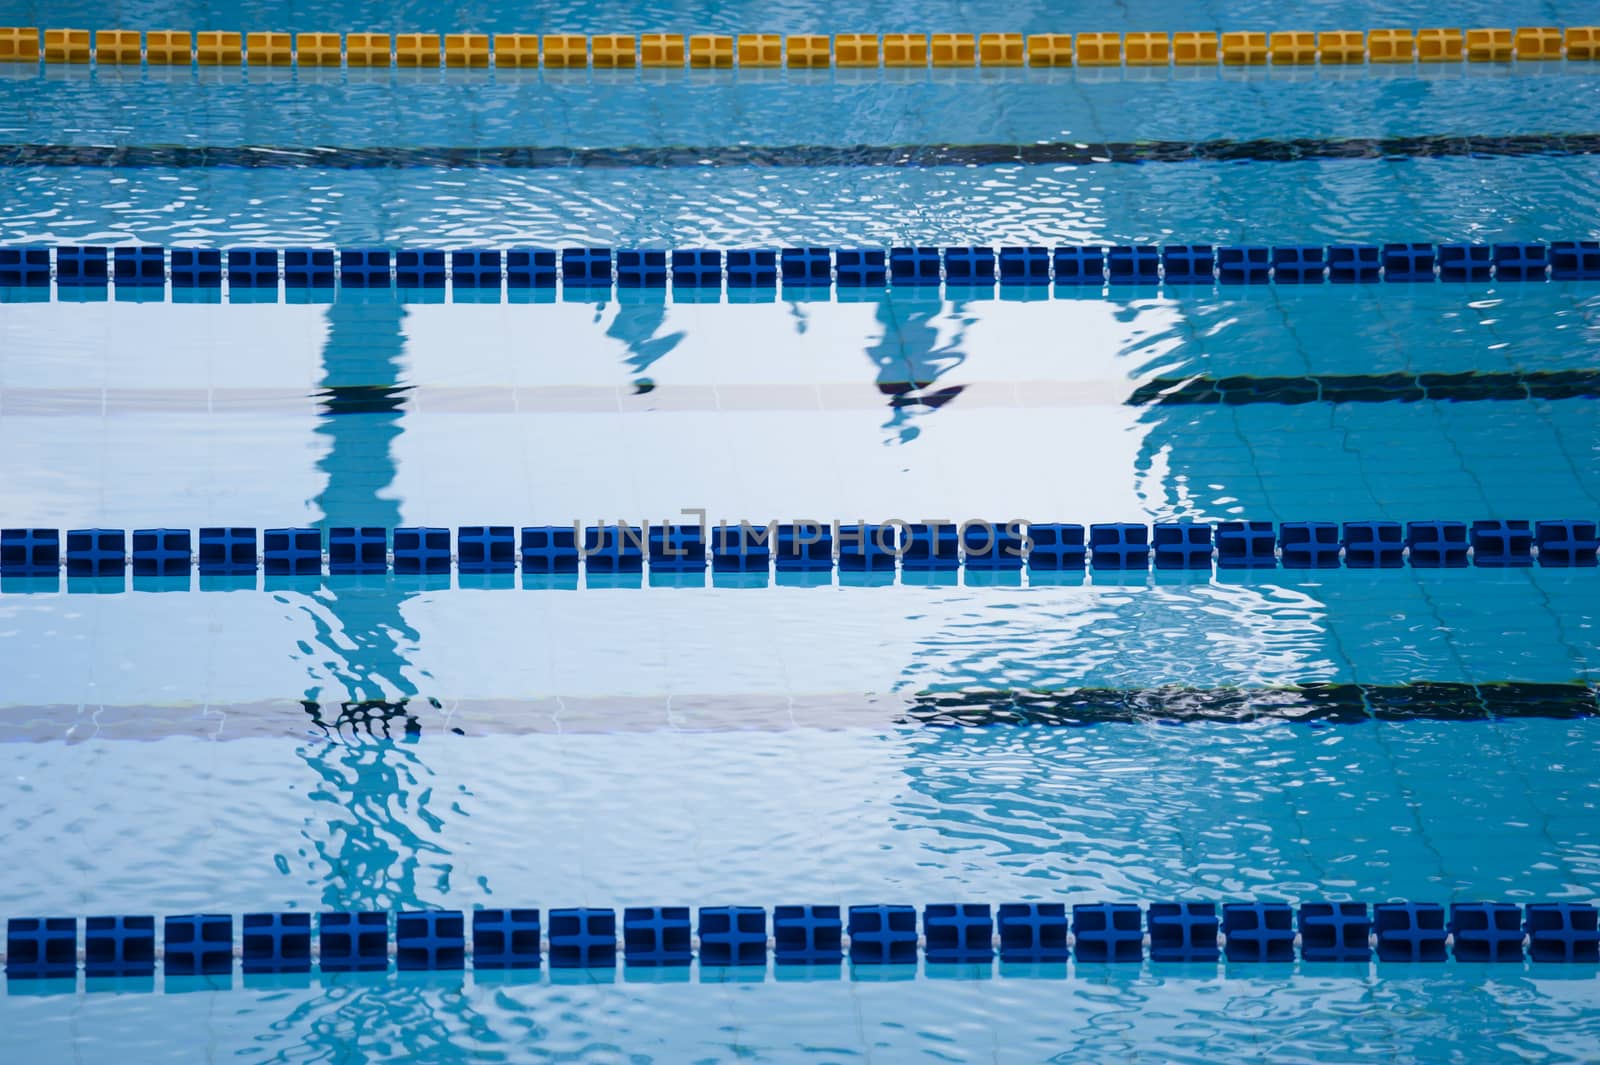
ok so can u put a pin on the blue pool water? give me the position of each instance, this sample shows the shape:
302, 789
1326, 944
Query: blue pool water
179, 749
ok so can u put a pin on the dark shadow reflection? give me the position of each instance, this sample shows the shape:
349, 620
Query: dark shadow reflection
910, 360
638, 325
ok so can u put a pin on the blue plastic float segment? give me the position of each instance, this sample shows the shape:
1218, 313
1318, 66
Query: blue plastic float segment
353, 942
291, 552
421, 550
531, 268
1244, 265
1563, 932
753, 268
1134, 264
733, 935
864, 546
276, 942
1056, 547
1437, 544
1179, 545
993, 545
252, 267
506, 939
804, 546
119, 946
358, 549
883, 935
1107, 931
161, 552
30, 552
1188, 264
479, 268
365, 268
1570, 260
657, 935
1486, 931
419, 268
428, 940
914, 266
196, 268
861, 267
1021, 266
1080, 266
81, 266
1374, 544
307, 268
1521, 262
96, 552
139, 266
586, 266
1258, 931
677, 548
486, 549
1335, 931
41, 948
697, 268
807, 934
614, 548
1246, 545
970, 266
1301, 264
1351, 263
1183, 931
1034, 931
742, 548
1502, 543
25, 267
931, 547
806, 266
1409, 931
957, 932
1119, 545
549, 549
582, 938
1465, 262
642, 268
1310, 544
1566, 543
199, 944
1408, 262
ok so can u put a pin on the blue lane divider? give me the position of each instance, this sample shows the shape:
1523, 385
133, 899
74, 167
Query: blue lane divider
83, 268
1264, 931
789, 548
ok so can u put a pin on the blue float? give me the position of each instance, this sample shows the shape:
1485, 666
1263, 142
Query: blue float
252, 268
307, 268
677, 548
161, 552
1258, 931
1032, 931
993, 545
1352, 263
81, 266
931, 547
583, 938
196, 268
1246, 545
358, 549
1465, 262
586, 267
1302, 264
615, 548
1310, 544
25, 267
1180, 545
1437, 544
753, 268
1119, 545
365, 268
96, 552
353, 942
697, 268
1134, 264
1409, 931
804, 546
419, 268
733, 935
806, 267
1335, 931
530, 268
742, 548
1080, 265
291, 552
139, 266
970, 266
486, 549
199, 944
420, 549
480, 268
430, 940
549, 549
958, 932
1486, 931
1056, 547
1566, 932
30, 552
883, 935
807, 935
506, 939
1570, 542
1570, 260
1374, 544
866, 547
1521, 262
1188, 264
657, 935
914, 266
1107, 932
642, 268
1183, 931
1408, 262
276, 942
41, 948
860, 267
1244, 265
119, 946
1502, 543
1023, 266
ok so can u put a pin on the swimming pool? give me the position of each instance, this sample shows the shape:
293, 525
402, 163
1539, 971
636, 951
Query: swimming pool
838, 735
